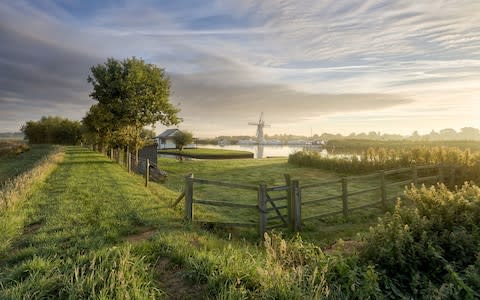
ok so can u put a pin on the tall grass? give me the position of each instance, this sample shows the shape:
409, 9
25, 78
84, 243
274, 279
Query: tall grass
17, 187
374, 159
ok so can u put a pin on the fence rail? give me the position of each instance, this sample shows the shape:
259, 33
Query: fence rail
286, 210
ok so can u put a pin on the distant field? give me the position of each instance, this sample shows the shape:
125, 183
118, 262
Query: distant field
13, 165
9, 146
206, 153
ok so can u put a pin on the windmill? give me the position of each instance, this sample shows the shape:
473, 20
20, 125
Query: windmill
260, 125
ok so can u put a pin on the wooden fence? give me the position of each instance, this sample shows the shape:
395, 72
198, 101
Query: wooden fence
128, 160
285, 208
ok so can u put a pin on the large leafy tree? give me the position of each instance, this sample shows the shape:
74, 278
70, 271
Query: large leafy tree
135, 94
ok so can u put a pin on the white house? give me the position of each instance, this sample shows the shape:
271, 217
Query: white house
166, 140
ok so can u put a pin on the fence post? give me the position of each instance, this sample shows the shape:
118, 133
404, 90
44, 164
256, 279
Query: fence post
415, 175
111, 153
290, 214
297, 205
147, 171
345, 197
383, 190
129, 167
262, 209
189, 197
441, 175
451, 178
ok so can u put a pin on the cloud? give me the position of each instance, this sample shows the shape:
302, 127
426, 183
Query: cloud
229, 60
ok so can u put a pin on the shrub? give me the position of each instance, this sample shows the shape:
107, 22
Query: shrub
430, 245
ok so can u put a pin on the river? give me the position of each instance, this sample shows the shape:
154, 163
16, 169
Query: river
261, 151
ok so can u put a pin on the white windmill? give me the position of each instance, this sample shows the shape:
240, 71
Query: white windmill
260, 125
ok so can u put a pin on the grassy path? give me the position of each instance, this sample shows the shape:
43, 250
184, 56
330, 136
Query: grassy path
75, 230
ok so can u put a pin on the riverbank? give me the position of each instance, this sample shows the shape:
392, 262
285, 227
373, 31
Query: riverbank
205, 153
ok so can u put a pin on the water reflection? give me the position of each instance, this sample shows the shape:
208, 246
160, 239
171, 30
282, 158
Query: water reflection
260, 151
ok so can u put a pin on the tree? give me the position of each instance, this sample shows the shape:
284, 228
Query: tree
98, 125
52, 130
183, 138
135, 93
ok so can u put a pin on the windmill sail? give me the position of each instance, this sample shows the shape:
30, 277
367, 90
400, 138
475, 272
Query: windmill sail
260, 125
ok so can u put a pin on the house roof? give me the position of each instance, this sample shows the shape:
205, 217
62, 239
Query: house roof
168, 133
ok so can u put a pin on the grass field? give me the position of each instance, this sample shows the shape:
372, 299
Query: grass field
13, 165
91, 230
271, 172
206, 153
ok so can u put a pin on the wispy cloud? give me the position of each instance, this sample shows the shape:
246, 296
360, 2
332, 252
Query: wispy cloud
375, 61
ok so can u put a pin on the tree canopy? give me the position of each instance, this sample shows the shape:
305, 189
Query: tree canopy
131, 94
52, 130
183, 138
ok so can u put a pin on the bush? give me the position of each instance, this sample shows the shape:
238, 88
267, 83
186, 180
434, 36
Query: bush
430, 246
52, 130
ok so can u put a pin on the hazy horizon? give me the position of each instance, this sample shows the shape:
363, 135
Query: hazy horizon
315, 66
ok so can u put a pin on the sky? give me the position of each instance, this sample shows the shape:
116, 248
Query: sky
311, 66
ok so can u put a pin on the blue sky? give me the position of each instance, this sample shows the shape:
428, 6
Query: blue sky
325, 66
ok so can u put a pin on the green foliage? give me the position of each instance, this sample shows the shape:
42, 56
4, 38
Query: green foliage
375, 159
183, 138
209, 153
52, 130
298, 270
131, 94
430, 246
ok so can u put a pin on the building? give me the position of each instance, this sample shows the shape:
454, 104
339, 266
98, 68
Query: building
166, 140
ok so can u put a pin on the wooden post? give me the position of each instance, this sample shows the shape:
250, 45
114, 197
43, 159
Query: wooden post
129, 163
415, 175
147, 172
297, 205
111, 153
262, 209
290, 201
441, 174
189, 197
383, 190
451, 179
345, 197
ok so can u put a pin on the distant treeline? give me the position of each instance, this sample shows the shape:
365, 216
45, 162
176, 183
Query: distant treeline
11, 135
53, 130
448, 134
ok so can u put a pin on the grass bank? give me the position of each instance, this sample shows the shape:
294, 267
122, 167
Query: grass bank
13, 165
205, 153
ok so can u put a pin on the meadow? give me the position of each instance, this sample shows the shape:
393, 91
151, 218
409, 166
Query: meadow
271, 172
89, 229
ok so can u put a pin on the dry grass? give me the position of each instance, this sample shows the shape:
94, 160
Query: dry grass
18, 187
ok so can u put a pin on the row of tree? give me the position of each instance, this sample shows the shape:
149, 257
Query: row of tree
130, 95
